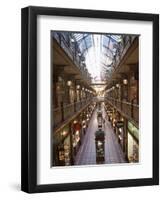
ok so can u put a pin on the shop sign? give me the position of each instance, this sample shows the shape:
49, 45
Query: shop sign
119, 124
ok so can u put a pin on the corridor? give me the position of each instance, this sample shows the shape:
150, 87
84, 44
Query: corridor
87, 152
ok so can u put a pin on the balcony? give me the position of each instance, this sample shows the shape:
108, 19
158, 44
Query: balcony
128, 109
71, 52
128, 40
64, 112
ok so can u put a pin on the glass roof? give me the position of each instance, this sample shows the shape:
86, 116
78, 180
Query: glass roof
84, 42
98, 51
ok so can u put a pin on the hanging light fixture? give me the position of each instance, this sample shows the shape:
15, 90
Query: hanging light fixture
69, 83
125, 81
117, 85
78, 87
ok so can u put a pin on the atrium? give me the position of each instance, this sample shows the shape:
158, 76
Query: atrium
95, 98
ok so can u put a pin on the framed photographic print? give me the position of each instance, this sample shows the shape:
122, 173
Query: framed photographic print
90, 99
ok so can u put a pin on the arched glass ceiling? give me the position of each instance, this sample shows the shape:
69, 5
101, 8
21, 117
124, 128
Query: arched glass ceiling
84, 42
99, 52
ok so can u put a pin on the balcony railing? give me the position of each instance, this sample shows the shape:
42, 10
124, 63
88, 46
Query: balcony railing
129, 109
72, 53
122, 51
64, 112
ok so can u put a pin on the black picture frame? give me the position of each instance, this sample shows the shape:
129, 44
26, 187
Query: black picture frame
29, 99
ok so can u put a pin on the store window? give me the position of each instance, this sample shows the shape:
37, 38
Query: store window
133, 149
76, 133
133, 143
64, 152
64, 149
76, 138
67, 151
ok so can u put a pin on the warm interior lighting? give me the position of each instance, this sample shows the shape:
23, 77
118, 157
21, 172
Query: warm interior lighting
99, 143
125, 81
69, 83
120, 137
78, 86
117, 85
64, 133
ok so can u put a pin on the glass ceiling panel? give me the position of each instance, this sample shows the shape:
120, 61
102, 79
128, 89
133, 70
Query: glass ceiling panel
79, 37
117, 38
99, 52
85, 43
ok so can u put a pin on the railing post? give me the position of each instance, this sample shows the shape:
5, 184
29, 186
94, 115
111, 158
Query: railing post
132, 110
74, 106
62, 112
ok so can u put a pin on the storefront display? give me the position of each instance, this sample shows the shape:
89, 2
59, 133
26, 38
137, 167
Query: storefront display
61, 156
62, 147
64, 152
84, 126
120, 132
67, 151
76, 138
133, 143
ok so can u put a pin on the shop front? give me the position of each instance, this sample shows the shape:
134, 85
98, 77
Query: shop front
84, 126
120, 132
62, 148
133, 143
109, 111
76, 135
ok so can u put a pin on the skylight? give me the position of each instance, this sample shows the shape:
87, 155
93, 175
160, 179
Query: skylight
99, 51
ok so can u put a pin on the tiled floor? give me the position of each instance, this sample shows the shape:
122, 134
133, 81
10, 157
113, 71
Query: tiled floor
87, 152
